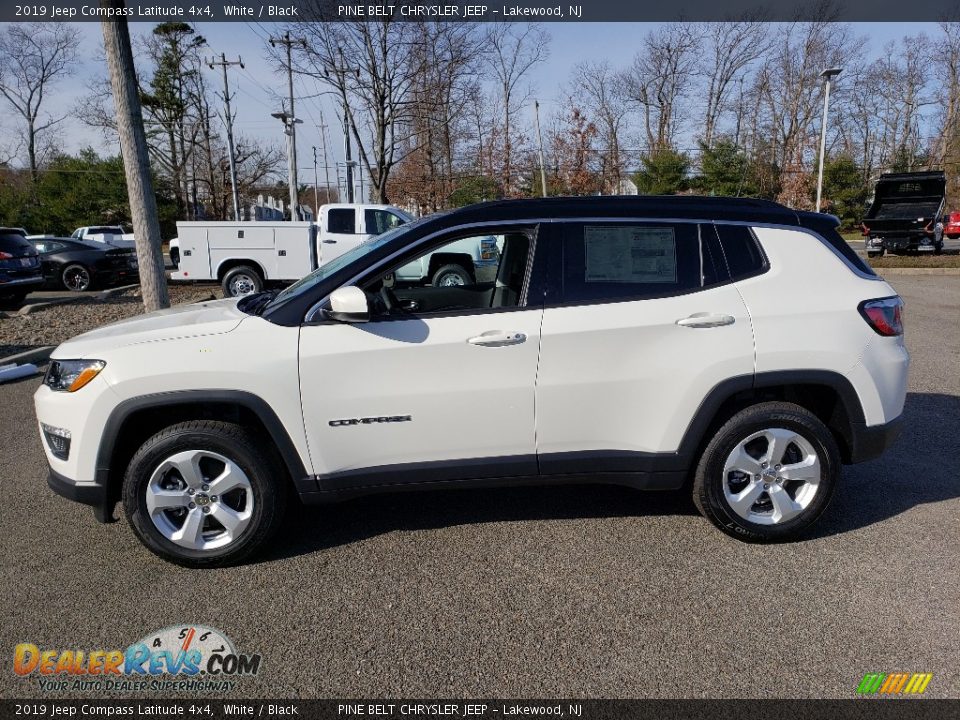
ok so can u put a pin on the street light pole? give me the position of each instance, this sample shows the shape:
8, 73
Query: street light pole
289, 125
826, 75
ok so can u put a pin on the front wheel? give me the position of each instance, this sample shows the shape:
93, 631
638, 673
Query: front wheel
202, 493
768, 473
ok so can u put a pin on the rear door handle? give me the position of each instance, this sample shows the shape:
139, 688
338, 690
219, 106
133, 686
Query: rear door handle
328, 241
498, 338
706, 320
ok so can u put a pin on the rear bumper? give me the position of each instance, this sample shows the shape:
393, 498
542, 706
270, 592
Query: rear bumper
870, 441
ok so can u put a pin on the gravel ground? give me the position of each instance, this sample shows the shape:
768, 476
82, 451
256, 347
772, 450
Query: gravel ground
57, 323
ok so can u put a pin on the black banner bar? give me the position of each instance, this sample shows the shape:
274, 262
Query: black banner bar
854, 709
155, 11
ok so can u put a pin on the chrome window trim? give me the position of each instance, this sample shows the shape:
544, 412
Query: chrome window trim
317, 306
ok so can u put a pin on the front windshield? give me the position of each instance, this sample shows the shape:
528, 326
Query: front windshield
307, 283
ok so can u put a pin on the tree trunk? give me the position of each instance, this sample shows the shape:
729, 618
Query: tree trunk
136, 162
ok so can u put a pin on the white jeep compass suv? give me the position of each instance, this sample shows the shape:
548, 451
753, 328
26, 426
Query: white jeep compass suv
733, 346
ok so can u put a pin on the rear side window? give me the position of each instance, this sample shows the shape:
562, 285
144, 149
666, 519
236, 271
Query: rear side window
741, 251
607, 262
342, 220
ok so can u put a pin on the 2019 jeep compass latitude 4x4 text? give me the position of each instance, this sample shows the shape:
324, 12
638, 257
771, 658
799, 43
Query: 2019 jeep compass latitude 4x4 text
734, 345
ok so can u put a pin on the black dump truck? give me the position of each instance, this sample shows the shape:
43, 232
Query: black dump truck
904, 215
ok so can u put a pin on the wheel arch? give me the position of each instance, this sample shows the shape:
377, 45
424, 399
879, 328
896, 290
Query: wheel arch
827, 394
134, 420
228, 264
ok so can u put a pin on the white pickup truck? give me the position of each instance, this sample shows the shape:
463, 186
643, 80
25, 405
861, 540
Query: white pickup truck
245, 256
115, 235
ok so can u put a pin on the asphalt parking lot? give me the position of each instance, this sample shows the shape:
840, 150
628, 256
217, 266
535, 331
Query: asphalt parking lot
561, 592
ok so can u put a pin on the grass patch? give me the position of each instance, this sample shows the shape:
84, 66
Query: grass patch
917, 261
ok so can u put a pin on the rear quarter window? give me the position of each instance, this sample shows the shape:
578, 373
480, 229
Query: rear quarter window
741, 251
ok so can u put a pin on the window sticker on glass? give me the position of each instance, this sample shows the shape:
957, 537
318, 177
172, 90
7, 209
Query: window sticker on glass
630, 254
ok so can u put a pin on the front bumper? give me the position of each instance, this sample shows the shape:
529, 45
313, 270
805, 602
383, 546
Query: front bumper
868, 442
90, 493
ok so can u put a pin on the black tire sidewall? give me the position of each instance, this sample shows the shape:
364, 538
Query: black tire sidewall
71, 266
266, 496
245, 270
709, 478
450, 270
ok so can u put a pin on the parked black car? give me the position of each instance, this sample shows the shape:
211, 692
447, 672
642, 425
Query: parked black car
19, 267
79, 265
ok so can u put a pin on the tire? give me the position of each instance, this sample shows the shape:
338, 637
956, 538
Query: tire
799, 502
451, 276
873, 254
189, 536
76, 278
240, 281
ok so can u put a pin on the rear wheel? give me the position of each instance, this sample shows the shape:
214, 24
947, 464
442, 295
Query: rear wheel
768, 473
451, 276
77, 278
202, 493
241, 280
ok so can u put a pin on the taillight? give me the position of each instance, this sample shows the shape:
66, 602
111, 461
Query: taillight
5, 256
884, 315
864, 230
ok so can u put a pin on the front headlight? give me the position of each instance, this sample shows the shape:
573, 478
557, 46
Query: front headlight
71, 375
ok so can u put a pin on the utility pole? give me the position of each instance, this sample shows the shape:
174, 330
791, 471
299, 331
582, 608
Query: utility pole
228, 119
543, 173
316, 196
323, 144
289, 42
136, 160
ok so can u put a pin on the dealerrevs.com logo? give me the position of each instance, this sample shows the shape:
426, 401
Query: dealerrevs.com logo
177, 658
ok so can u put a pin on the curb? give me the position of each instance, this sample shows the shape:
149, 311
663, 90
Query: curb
113, 292
37, 307
39, 354
916, 271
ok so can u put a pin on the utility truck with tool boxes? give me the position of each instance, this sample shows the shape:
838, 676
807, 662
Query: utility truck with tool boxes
244, 257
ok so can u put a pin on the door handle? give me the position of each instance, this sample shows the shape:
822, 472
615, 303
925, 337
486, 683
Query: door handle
706, 320
498, 338
329, 242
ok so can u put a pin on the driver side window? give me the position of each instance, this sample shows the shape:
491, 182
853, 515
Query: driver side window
469, 273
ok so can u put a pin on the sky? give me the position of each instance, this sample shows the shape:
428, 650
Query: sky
257, 89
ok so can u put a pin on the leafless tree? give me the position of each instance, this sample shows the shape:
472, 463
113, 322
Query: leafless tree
603, 94
946, 60
33, 57
732, 47
512, 51
372, 67
661, 75
791, 90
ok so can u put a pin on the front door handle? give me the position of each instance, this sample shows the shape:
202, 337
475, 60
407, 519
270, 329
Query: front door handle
328, 241
706, 320
498, 338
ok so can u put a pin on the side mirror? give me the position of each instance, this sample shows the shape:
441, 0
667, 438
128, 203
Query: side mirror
349, 304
